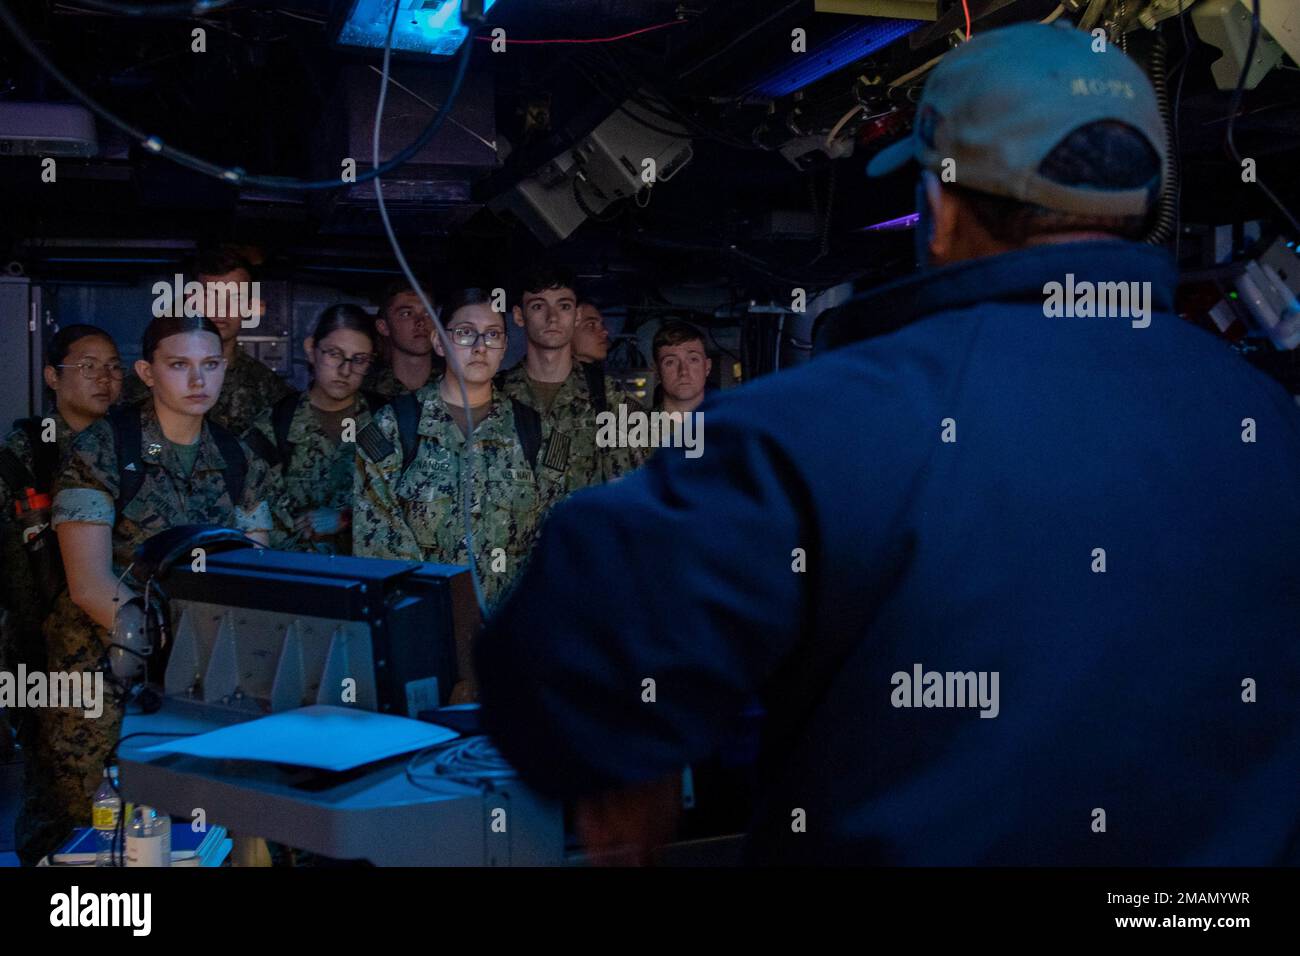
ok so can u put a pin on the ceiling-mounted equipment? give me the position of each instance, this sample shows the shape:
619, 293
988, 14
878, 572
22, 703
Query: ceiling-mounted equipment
831, 55
1226, 24
613, 162
435, 27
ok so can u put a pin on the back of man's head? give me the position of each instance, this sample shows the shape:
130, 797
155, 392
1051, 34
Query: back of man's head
1104, 155
1028, 134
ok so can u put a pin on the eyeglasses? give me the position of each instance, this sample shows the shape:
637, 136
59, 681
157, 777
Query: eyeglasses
92, 370
467, 337
336, 359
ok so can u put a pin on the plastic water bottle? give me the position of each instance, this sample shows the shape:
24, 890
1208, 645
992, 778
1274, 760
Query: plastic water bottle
149, 838
104, 814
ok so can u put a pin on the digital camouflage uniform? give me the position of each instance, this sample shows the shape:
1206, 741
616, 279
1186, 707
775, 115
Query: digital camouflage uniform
71, 749
20, 604
382, 380
318, 475
248, 389
416, 514
574, 460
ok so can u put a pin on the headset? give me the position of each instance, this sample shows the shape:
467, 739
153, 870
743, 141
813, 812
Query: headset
140, 625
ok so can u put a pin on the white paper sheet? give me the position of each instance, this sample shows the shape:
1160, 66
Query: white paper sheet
321, 736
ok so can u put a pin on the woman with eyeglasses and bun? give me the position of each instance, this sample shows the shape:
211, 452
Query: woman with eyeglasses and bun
138, 471
411, 464
83, 374
310, 439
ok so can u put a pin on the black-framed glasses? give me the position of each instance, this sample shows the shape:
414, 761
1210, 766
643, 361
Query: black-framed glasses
335, 358
92, 370
467, 337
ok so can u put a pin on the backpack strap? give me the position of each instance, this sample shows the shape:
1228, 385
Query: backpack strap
14, 473
262, 447
406, 408
282, 413
127, 440
45, 454
595, 373
236, 470
528, 427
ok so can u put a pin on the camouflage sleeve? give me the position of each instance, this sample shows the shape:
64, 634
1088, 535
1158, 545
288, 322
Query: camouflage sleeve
276, 491
620, 461
253, 513
379, 528
86, 488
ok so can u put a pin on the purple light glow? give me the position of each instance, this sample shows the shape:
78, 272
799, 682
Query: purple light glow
902, 222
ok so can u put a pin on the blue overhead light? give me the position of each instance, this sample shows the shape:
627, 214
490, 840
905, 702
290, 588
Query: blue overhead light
423, 26
850, 44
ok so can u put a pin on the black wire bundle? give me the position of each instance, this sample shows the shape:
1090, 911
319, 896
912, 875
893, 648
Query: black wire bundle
1235, 107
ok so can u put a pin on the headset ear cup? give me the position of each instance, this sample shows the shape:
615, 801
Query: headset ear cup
156, 629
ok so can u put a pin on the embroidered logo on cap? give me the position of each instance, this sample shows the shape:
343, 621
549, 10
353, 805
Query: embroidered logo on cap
1082, 86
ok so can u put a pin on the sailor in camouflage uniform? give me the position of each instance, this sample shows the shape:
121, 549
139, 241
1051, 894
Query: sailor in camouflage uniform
181, 483
412, 508
249, 390
405, 328
310, 439
250, 387
83, 371
560, 389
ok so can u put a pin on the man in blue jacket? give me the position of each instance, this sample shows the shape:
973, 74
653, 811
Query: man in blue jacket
1011, 565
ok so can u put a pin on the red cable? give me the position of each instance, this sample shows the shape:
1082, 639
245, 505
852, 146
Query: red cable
965, 7
621, 36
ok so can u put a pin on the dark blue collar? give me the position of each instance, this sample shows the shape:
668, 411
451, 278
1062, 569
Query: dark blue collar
1011, 277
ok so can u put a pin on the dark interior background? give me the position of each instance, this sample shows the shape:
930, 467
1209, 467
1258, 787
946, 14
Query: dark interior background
749, 218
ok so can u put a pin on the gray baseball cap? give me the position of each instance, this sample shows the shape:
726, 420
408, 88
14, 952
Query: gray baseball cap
1001, 102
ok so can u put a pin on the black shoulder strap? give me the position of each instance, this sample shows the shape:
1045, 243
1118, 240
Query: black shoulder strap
282, 413
127, 439
262, 447
236, 469
528, 426
595, 373
14, 473
45, 455
406, 409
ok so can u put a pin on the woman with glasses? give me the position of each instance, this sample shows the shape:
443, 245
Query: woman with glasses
410, 505
83, 374
309, 439
140, 470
